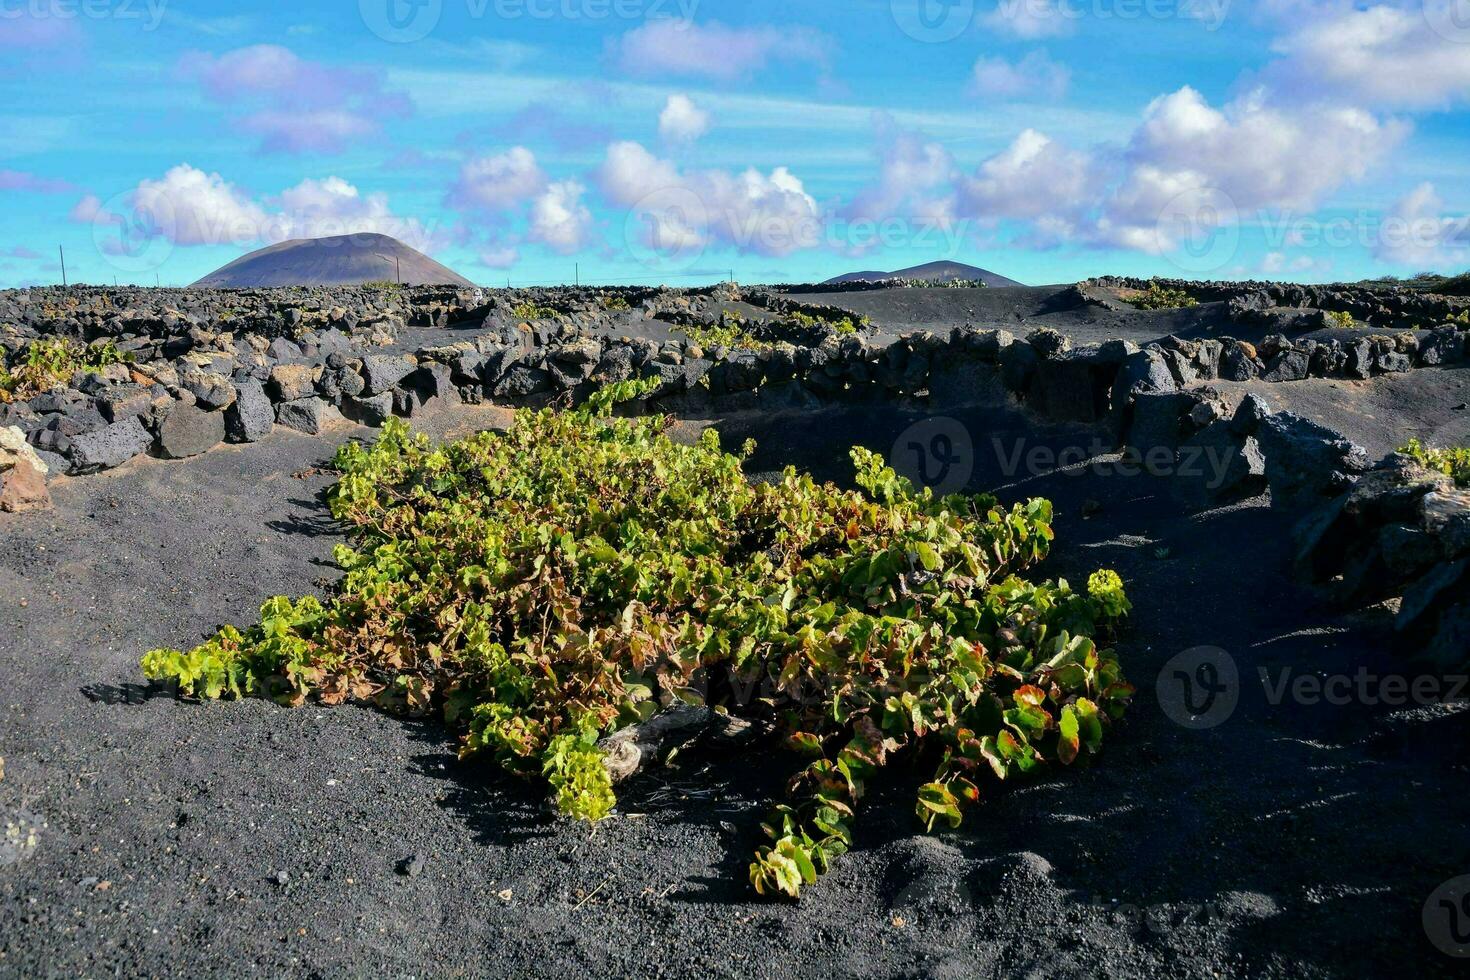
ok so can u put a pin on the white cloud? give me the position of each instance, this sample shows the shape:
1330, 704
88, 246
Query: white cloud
192, 207
681, 121
669, 46
1032, 179
1029, 19
1275, 263
498, 182
768, 214
1033, 77
1396, 57
300, 106
1416, 232
187, 206
499, 256
1186, 168
559, 219
911, 169
1259, 154
86, 208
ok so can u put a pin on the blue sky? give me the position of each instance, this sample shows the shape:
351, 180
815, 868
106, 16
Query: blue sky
682, 140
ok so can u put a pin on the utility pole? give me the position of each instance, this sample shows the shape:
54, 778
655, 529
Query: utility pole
397, 273
62, 252
576, 273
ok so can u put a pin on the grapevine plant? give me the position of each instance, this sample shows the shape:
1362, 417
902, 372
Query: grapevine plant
1160, 297
44, 364
1453, 461
546, 586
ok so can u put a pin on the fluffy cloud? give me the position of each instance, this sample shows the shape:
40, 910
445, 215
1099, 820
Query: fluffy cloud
187, 206
911, 169
497, 256
509, 185
1276, 263
86, 208
498, 182
1396, 57
191, 207
1029, 19
767, 214
1187, 167
1033, 77
1033, 179
559, 219
1416, 232
295, 105
681, 121
1259, 154
713, 50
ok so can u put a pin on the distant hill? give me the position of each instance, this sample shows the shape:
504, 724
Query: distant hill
933, 271
340, 260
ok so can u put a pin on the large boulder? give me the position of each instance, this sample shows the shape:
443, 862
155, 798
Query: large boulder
109, 447
211, 390
251, 416
1145, 370
121, 402
1218, 465
309, 415
188, 431
22, 474
383, 371
290, 382
371, 410
1306, 462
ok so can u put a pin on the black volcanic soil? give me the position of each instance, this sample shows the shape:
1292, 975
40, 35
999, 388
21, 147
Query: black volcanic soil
1019, 309
1287, 841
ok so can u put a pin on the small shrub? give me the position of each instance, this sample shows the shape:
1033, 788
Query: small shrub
1158, 297
1340, 319
548, 585
615, 303
532, 311
44, 364
730, 331
1454, 461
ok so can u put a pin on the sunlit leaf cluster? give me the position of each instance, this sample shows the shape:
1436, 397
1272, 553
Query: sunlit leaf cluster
543, 587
